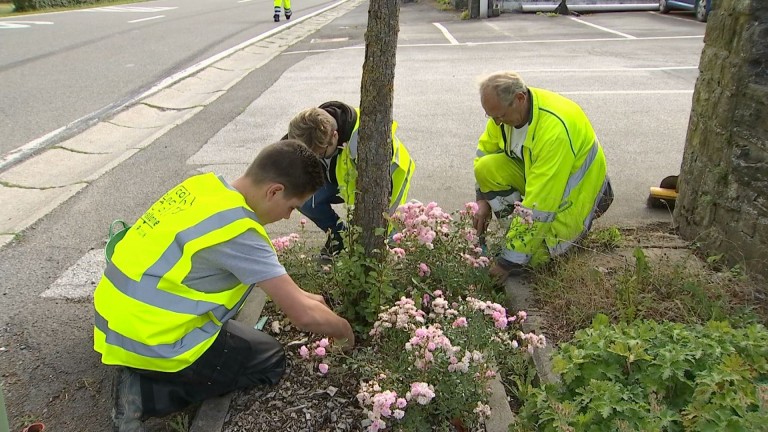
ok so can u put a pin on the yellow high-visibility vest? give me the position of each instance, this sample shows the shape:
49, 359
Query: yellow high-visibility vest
400, 169
146, 318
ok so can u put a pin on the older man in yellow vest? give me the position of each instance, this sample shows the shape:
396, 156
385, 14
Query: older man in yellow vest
539, 167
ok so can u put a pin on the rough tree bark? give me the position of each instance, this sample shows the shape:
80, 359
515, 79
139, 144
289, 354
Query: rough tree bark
375, 145
724, 175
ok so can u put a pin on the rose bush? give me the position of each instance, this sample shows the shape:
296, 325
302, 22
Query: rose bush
433, 344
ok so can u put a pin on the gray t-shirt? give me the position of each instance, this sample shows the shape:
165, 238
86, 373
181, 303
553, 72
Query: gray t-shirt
247, 259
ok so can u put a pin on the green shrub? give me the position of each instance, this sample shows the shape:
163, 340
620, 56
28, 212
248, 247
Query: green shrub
656, 376
31, 5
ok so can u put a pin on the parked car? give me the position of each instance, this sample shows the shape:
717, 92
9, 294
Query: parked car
700, 7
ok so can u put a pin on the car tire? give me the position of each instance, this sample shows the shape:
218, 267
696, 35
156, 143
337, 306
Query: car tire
663, 6
701, 10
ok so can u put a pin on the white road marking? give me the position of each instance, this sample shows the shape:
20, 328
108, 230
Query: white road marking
615, 92
21, 24
618, 69
136, 9
446, 33
80, 280
36, 144
147, 19
560, 41
676, 17
603, 28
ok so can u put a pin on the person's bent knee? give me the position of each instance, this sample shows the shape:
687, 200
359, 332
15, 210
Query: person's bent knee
267, 362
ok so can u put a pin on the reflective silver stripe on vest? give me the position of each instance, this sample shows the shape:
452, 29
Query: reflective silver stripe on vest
514, 256
541, 215
352, 146
396, 156
563, 246
396, 202
579, 175
480, 153
146, 291
187, 342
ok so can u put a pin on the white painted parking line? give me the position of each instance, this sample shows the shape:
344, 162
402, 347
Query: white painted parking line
4, 25
512, 42
675, 17
139, 9
618, 69
147, 19
603, 28
633, 92
447, 34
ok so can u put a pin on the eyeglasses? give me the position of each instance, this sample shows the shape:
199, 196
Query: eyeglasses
501, 116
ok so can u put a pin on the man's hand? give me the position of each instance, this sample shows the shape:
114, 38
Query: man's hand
316, 297
481, 217
498, 273
346, 343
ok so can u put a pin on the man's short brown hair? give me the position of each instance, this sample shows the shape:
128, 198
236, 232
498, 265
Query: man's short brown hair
314, 127
290, 163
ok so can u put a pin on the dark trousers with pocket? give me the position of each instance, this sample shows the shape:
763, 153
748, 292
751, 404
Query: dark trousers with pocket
239, 358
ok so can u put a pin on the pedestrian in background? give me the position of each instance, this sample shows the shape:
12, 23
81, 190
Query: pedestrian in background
279, 4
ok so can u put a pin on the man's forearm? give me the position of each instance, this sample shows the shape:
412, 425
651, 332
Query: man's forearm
320, 319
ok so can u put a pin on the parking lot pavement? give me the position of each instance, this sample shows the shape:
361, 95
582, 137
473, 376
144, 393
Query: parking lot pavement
633, 73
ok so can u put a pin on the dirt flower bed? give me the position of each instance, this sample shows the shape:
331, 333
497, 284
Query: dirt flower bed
304, 400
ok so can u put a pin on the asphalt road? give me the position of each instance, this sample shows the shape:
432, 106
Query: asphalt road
69, 69
634, 74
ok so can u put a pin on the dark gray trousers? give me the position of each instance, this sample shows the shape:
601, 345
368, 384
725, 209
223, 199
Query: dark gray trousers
239, 358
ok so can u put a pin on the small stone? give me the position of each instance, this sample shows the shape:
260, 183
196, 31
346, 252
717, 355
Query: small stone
332, 390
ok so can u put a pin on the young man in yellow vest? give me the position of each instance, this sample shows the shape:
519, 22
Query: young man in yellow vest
538, 150
331, 131
184, 269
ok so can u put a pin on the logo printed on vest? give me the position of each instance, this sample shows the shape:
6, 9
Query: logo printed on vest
174, 201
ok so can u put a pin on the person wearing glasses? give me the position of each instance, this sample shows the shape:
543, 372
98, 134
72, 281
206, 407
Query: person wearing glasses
331, 132
540, 168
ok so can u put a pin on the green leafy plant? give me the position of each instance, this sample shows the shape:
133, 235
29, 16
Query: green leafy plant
656, 376
432, 345
429, 368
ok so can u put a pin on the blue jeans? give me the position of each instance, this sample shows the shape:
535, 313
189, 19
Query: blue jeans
318, 209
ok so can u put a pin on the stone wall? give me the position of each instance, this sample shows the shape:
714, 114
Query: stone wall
723, 202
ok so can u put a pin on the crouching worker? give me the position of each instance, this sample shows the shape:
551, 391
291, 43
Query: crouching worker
331, 131
165, 303
539, 150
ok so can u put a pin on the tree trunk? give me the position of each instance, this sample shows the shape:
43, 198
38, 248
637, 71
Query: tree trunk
724, 175
375, 145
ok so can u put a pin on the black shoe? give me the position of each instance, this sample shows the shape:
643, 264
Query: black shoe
288, 14
333, 247
276, 17
126, 395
